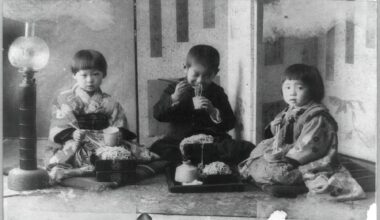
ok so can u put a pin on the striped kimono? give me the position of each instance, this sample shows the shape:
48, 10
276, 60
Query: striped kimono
75, 109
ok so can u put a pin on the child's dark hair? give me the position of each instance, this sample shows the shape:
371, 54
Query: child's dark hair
310, 76
206, 55
89, 59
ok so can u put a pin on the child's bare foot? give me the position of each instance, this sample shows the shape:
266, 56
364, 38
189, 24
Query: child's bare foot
57, 174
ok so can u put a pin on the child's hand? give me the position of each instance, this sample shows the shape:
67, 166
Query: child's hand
182, 89
78, 135
201, 102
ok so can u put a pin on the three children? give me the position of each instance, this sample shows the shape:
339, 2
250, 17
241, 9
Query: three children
303, 149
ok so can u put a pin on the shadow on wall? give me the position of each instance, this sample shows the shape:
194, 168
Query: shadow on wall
239, 108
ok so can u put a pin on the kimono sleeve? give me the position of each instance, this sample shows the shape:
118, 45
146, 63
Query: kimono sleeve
270, 130
325, 163
62, 119
315, 140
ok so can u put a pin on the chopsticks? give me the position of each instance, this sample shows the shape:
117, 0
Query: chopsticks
198, 90
88, 136
100, 144
169, 80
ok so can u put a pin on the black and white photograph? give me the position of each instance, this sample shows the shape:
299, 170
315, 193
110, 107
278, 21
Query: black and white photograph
189, 109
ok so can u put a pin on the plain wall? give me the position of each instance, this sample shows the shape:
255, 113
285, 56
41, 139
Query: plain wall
242, 87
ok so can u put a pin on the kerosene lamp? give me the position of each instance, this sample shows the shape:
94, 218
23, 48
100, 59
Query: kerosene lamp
29, 54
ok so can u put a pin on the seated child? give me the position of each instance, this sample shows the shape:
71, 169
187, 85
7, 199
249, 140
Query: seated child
196, 105
304, 146
80, 114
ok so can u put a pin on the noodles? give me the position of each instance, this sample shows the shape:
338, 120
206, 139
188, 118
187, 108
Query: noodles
196, 139
217, 168
113, 153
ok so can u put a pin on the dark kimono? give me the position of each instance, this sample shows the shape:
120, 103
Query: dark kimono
185, 121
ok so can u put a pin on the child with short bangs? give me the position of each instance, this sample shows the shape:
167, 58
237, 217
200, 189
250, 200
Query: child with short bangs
304, 146
197, 107
79, 116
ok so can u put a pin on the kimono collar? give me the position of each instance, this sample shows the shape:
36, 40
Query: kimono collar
293, 113
85, 97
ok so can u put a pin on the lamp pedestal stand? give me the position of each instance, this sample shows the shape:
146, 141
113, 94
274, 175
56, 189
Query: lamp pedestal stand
27, 176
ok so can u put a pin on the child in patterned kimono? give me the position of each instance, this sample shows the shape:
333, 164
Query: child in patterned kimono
304, 147
79, 115
196, 105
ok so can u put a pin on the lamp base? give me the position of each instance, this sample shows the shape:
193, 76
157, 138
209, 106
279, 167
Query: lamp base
19, 179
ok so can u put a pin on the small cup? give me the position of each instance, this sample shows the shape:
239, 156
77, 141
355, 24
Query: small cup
186, 173
111, 136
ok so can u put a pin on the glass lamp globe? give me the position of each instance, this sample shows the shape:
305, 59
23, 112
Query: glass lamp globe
29, 52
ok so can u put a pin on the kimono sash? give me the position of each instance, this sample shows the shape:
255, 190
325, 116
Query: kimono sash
92, 121
75, 108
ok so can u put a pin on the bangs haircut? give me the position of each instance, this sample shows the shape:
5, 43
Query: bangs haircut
310, 76
89, 59
205, 55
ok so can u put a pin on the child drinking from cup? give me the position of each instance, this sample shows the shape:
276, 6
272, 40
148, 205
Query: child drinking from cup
80, 114
196, 105
304, 146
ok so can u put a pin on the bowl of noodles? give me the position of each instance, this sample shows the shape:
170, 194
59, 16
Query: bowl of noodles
115, 158
217, 173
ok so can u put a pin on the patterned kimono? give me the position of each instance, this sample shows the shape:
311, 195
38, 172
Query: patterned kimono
75, 109
303, 150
